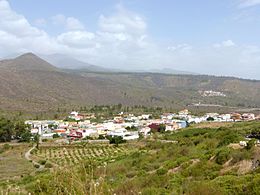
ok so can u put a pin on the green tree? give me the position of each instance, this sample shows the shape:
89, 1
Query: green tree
6, 130
162, 128
55, 136
210, 119
116, 140
37, 140
26, 137
20, 128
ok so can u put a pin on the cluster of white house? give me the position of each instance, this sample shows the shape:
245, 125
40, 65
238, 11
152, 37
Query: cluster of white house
127, 126
211, 93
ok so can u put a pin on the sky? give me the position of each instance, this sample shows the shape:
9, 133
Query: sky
216, 37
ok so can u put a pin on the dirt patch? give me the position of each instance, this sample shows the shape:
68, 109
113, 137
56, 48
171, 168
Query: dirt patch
174, 170
213, 125
245, 166
235, 146
195, 161
177, 169
241, 167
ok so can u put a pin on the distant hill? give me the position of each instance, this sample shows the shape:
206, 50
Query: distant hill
28, 83
66, 62
171, 71
27, 62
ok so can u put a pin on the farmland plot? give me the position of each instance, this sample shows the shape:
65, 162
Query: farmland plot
71, 155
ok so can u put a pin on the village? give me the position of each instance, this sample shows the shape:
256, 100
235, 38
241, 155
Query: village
78, 126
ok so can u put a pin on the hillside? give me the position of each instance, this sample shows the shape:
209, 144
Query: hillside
193, 160
31, 84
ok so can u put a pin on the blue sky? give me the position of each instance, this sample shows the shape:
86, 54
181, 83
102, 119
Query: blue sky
218, 37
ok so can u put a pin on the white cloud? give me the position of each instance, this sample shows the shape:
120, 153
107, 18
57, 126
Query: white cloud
122, 21
18, 35
248, 3
69, 23
227, 43
77, 39
122, 41
74, 24
180, 48
15, 24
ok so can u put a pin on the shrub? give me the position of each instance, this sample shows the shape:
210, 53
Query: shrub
228, 139
56, 135
44, 140
239, 155
101, 137
204, 188
4, 148
48, 165
210, 119
222, 156
42, 162
161, 171
250, 144
116, 140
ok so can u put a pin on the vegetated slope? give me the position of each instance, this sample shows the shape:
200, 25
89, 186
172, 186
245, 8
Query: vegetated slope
28, 82
170, 90
31, 84
190, 161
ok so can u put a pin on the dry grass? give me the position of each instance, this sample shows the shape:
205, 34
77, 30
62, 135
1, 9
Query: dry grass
212, 125
13, 164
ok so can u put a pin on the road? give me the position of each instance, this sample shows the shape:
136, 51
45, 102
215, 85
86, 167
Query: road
27, 155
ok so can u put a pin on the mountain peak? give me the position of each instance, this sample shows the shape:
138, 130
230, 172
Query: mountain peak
29, 54
28, 62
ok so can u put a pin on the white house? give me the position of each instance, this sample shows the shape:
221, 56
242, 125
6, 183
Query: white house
118, 132
145, 131
131, 136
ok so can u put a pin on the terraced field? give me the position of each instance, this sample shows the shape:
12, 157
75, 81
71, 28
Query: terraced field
71, 155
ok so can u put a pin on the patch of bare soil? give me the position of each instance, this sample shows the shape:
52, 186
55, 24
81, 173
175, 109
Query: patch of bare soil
241, 167
174, 170
235, 146
177, 169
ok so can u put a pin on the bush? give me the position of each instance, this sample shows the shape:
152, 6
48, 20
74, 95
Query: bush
250, 144
161, 171
101, 137
115, 140
56, 135
48, 165
228, 139
239, 155
44, 140
4, 148
42, 162
204, 188
210, 119
222, 156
